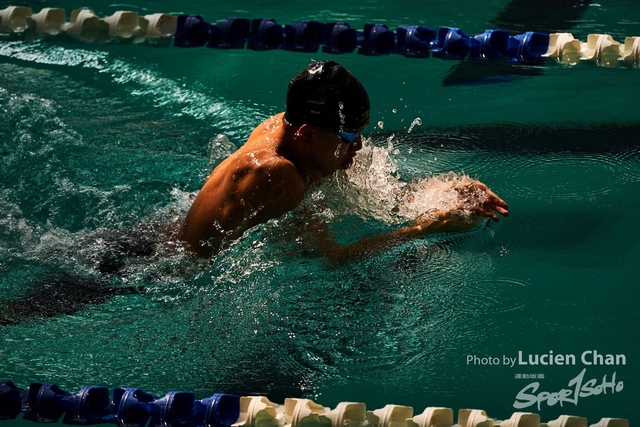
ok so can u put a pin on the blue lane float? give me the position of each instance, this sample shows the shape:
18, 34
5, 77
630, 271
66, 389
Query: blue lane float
231, 33
48, 403
11, 400
189, 31
414, 41
266, 34
304, 36
376, 39
88, 406
342, 38
453, 43
529, 47
494, 45
192, 31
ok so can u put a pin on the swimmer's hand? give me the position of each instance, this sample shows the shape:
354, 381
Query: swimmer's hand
480, 200
477, 202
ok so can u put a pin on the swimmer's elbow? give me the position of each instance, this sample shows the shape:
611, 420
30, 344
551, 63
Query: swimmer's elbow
197, 244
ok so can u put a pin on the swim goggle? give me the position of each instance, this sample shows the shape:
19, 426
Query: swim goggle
348, 137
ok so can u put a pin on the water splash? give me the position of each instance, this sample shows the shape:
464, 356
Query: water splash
374, 190
63, 210
219, 149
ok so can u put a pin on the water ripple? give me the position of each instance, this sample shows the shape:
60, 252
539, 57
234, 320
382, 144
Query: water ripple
574, 162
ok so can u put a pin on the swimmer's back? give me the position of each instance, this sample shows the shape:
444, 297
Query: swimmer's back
253, 185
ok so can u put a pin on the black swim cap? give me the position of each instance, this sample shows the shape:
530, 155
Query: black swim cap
326, 94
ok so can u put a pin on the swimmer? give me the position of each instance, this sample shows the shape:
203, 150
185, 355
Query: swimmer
327, 108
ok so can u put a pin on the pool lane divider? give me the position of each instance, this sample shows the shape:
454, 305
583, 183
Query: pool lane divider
532, 48
132, 407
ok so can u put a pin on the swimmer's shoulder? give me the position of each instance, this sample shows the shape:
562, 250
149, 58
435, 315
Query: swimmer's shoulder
278, 176
272, 125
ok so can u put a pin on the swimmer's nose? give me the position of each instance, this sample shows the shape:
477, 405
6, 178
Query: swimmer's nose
356, 145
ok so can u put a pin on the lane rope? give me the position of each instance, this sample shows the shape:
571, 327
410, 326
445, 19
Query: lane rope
48, 403
532, 48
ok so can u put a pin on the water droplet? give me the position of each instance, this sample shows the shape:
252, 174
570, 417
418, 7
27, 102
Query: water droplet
416, 121
340, 113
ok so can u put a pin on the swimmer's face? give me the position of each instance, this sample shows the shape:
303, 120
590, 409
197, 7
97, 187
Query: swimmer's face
339, 149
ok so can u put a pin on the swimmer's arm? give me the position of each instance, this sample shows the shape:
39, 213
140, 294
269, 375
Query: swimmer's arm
321, 237
441, 222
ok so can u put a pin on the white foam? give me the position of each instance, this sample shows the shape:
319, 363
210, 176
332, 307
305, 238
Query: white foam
373, 189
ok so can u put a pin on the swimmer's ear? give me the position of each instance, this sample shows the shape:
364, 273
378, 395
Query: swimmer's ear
305, 132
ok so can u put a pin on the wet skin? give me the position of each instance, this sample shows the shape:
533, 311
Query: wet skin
267, 177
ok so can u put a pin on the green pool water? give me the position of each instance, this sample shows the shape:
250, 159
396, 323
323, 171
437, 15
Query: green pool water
108, 143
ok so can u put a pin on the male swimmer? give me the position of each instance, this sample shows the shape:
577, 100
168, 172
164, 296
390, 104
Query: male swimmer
327, 108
